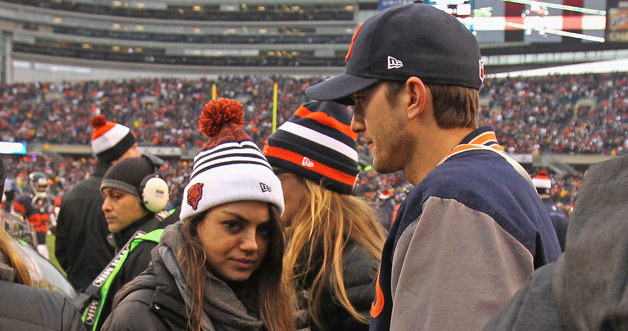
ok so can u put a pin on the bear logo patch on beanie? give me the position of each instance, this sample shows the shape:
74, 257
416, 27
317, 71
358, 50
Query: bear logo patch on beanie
195, 193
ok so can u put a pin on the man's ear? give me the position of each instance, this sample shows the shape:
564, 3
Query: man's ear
417, 96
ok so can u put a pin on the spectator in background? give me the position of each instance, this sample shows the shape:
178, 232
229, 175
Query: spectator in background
473, 228
385, 208
81, 244
24, 307
334, 239
587, 288
220, 267
559, 219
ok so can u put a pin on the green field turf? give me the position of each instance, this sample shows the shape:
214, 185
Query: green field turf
50, 242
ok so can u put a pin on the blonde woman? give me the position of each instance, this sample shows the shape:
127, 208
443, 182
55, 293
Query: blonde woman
335, 240
220, 267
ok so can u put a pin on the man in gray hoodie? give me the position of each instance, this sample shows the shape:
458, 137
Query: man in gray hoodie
587, 287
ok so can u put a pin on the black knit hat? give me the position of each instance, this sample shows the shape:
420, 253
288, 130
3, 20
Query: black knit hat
401, 42
127, 175
317, 143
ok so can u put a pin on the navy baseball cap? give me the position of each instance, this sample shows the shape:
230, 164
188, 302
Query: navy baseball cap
405, 41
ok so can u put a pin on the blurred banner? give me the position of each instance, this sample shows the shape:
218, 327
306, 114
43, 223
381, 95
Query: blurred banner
7, 147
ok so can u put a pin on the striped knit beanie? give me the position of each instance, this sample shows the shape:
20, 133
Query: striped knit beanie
542, 183
110, 140
317, 143
230, 167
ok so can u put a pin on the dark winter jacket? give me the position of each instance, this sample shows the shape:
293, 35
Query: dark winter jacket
81, 245
360, 273
587, 287
153, 300
559, 220
28, 308
136, 262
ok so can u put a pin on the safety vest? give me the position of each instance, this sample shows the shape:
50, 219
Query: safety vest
92, 312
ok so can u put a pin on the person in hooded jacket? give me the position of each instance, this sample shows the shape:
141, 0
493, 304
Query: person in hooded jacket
335, 239
24, 307
587, 287
220, 267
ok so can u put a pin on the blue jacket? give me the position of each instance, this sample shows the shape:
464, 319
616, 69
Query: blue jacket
464, 241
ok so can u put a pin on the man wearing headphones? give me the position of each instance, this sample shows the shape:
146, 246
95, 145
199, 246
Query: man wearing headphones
134, 201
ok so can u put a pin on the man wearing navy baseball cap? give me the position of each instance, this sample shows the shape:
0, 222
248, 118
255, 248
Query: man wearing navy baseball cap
473, 228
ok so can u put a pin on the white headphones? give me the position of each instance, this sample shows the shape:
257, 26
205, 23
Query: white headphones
154, 190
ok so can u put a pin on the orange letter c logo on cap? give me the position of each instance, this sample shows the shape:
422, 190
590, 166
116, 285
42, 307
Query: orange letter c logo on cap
352, 41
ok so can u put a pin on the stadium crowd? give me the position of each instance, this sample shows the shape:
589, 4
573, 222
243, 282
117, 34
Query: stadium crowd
558, 114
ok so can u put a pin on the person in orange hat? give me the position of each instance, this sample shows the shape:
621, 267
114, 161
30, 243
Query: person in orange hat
560, 220
81, 244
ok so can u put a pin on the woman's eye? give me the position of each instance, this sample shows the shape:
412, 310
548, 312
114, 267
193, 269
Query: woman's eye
264, 232
232, 226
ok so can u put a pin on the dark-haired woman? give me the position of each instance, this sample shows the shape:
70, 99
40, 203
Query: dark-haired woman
220, 267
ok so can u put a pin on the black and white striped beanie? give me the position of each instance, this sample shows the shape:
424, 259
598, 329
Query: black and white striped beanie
230, 167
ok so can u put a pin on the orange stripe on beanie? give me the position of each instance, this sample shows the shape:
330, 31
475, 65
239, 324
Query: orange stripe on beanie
317, 143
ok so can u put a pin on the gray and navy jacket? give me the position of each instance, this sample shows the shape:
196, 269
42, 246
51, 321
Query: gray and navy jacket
464, 241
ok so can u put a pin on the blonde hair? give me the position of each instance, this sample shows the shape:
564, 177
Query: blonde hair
272, 301
327, 222
22, 275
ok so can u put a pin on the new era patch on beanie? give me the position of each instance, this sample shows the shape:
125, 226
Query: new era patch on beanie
401, 42
317, 143
230, 167
110, 140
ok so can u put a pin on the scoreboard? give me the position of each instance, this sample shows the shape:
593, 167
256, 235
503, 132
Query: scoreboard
535, 21
617, 27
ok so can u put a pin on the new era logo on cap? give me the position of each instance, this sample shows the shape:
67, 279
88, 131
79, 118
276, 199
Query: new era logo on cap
307, 162
394, 63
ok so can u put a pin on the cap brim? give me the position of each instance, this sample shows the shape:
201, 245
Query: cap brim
339, 88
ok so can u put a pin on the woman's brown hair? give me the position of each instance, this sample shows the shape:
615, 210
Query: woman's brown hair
325, 224
22, 276
262, 292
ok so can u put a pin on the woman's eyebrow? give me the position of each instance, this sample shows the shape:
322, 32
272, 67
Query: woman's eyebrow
241, 218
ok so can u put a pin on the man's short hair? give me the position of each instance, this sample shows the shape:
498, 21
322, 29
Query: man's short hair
454, 106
